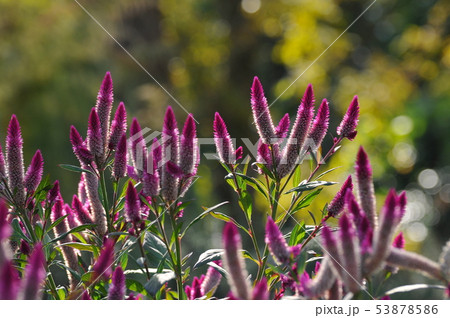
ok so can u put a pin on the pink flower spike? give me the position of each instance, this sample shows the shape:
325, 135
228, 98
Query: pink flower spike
118, 126
402, 200
264, 155
132, 204
34, 173
9, 281
2, 164
331, 247
261, 292
117, 288
320, 125
353, 208
53, 193
120, 158
283, 127
188, 147
5, 228
34, 274
102, 266
337, 204
222, 139
276, 242
234, 262
350, 254
212, 279
94, 136
14, 160
261, 113
366, 191
104, 105
82, 214
239, 153
171, 153
348, 125
83, 154
399, 241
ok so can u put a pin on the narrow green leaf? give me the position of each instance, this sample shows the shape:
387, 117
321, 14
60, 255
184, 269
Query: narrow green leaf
80, 246
157, 281
75, 168
202, 215
208, 256
246, 204
408, 288
254, 183
306, 186
326, 172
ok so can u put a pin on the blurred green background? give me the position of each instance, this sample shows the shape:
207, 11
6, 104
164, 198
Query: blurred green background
396, 58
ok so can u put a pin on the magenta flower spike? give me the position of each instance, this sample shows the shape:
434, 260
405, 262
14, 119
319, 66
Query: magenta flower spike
102, 267
234, 263
222, 139
170, 152
239, 153
293, 149
120, 158
118, 126
5, 228
261, 113
81, 190
34, 274
82, 214
188, 147
350, 254
261, 292
2, 164
132, 204
399, 241
194, 291
14, 160
337, 204
281, 131
72, 219
117, 288
9, 281
320, 125
347, 127
332, 249
53, 193
264, 155
137, 139
95, 204
277, 244
353, 208
85, 296
57, 212
94, 136
212, 280
402, 200
79, 148
150, 180
103, 106
34, 172
366, 191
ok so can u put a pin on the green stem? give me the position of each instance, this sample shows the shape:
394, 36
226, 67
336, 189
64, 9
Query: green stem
105, 200
178, 265
141, 248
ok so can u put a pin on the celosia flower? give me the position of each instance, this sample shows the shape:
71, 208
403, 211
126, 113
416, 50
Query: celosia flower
82, 214
337, 204
239, 153
34, 172
138, 149
222, 139
34, 274
95, 204
120, 158
260, 291
212, 279
150, 179
170, 151
353, 208
94, 136
85, 296
9, 281
79, 148
2, 164
402, 200
293, 149
348, 125
118, 126
53, 193
81, 190
366, 191
332, 249
281, 252
188, 147
444, 261
320, 125
234, 263
264, 155
261, 114
132, 204
399, 241
323, 280
5, 228
104, 105
14, 160
102, 267
117, 288
350, 254
58, 212
194, 291
283, 127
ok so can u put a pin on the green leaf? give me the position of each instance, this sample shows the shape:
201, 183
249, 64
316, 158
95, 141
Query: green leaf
246, 203
220, 269
246, 254
57, 221
155, 245
134, 285
297, 234
408, 288
157, 281
306, 200
326, 172
297, 175
254, 183
265, 170
226, 218
208, 256
80, 246
301, 262
17, 231
74, 230
307, 186
75, 168
202, 215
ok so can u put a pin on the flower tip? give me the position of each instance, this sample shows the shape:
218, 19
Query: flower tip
239, 153
308, 97
399, 241
231, 236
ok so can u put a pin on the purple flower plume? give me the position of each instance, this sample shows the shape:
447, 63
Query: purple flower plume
222, 139
132, 204
94, 136
53, 193
104, 105
293, 149
348, 125
79, 148
188, 147
117, 288
102, 266
331, 246
34, 274
5, 228
261, 114
277, 244
2, 164
366, 191
234, 263
118, 126
212, 279
261, 292
82, 213
239, 153
120, 158
402, 200
34, 172
14, 160
9, 281
264, 155
350, 254
283, 127
170, 151
399, 241
138, 148
150, 180
337, 204
320, 125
